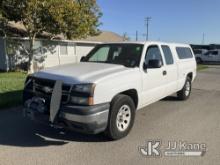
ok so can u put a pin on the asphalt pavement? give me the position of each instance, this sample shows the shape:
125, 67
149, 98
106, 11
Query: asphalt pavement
194, 121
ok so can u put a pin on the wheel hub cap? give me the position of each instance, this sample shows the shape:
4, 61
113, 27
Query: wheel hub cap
123, 118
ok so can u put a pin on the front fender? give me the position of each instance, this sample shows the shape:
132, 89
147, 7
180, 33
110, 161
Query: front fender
106, 90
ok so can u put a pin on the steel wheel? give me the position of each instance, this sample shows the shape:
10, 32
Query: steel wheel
188, 88
185, 92
123, 118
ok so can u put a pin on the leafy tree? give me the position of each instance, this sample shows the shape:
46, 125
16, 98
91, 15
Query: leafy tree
74, 19
3, 23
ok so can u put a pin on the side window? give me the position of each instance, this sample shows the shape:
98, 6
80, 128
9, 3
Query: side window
153, 53
215, 53
100, 55
167, 54
207, 53
197, 51
184, 52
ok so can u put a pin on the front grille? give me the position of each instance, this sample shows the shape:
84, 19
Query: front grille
44, 88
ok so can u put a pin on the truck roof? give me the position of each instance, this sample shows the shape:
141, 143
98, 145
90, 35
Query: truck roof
148, 42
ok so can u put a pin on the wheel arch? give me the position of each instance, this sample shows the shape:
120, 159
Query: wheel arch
190, 75
132, 93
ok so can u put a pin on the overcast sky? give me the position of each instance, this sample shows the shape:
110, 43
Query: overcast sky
172, 20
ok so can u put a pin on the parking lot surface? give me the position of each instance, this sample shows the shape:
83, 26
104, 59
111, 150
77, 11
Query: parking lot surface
196, 120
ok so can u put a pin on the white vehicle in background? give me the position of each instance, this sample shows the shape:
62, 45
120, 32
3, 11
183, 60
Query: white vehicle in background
199, 52
209, 56
103, 92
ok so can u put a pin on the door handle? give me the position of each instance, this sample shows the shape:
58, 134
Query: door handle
164, 72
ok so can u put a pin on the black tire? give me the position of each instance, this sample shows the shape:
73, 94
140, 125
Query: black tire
183, 94
117, 103
199, 60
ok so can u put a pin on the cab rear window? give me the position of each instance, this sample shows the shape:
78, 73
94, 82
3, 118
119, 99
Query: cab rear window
184, 53
167, 54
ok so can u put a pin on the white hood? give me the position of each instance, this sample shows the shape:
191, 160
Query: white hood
82, 72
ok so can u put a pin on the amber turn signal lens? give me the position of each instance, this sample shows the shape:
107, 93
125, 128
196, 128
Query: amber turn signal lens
91, 101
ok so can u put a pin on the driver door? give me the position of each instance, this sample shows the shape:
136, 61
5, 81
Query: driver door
153, 87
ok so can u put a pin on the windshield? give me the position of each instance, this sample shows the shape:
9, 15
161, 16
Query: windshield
128, 55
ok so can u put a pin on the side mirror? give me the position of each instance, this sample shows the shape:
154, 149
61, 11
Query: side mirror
145, 66
155, 64
83, 58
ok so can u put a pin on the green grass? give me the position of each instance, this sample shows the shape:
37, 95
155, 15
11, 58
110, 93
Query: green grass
11, 86
201, 67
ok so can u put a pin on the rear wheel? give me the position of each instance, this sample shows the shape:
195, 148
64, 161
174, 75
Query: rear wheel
186, 91
121, 117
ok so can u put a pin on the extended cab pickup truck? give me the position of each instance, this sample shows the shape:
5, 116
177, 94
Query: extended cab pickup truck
104, 90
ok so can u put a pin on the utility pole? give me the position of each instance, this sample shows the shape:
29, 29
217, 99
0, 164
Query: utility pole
203, 38
147, 20
136, 35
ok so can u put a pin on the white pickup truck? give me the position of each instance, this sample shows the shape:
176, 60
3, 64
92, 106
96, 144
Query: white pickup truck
104, 90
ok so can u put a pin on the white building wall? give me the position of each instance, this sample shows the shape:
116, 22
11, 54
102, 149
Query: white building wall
70, 57
52, 59
83, 50
73, 52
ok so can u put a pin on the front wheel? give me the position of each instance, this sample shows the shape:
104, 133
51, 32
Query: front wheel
121, 117
186, 91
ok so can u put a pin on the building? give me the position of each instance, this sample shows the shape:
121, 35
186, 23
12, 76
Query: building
53, 52
62, 52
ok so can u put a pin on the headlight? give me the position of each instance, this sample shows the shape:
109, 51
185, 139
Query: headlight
82, 94
84, 88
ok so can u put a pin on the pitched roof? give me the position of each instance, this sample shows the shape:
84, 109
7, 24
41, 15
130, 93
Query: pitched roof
105, 36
